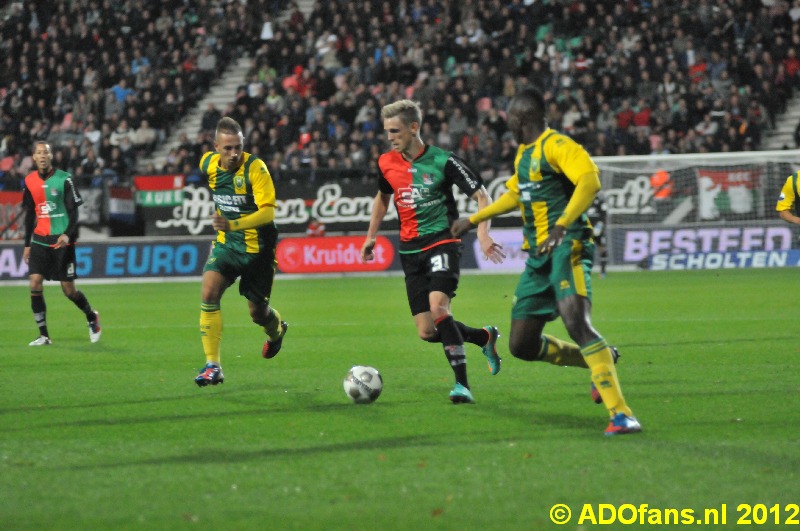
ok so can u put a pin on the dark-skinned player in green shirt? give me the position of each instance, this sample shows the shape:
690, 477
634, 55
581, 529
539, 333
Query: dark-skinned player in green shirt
50, 201
554, 183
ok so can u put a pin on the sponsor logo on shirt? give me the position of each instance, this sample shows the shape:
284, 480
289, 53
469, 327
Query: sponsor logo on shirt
47, 207
470, 181
409, 196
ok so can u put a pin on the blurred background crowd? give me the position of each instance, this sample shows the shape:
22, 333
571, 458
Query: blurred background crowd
108, 81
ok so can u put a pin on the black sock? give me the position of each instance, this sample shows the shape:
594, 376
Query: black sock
79, 299
453, 345
476, 336
39, 311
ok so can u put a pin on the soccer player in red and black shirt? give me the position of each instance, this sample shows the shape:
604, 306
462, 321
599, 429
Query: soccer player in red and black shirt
51, 202
421, 179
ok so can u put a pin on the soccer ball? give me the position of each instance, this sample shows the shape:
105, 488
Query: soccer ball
363, 384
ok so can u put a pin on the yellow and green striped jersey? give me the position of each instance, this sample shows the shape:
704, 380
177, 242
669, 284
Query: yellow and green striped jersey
239, 193
545, 173
788, 199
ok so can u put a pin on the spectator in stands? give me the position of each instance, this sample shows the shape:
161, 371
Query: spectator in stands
91, 163
625, 115
206, 66
707, 126
212, 115
118, 165
122, 131
641, 117
121, 91
457, 124
613, 52
144, 138
71, 135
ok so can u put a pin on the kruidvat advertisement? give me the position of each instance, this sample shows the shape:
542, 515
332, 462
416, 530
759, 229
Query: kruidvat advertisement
333, 254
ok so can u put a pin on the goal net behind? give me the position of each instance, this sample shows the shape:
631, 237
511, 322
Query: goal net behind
704, 211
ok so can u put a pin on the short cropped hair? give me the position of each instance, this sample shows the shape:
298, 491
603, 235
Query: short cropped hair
228, 126
529, 102
408, 111
42, 142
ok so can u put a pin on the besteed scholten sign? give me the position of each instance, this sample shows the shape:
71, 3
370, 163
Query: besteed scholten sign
741, 245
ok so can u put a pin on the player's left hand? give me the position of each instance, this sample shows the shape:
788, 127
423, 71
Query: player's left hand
63, 241
220, 222
492, 250
553, 240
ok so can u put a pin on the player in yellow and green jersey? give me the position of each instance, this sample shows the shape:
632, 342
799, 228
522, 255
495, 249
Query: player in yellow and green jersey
244, 196
554, 183
788, 206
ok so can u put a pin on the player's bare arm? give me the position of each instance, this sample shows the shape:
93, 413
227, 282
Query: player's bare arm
504, 204
491, 249
379, 208
786, 215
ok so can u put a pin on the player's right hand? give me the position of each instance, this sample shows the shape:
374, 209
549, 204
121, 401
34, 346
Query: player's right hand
461, 226
220, 222
553, 240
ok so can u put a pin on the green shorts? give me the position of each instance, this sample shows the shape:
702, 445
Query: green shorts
257, 270
567, 272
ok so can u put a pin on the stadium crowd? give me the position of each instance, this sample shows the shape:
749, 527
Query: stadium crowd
107, 80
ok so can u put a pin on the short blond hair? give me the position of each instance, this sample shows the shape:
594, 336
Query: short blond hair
408, 111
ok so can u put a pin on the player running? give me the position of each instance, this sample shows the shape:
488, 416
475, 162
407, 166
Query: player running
421, 178
554, 182
245, 246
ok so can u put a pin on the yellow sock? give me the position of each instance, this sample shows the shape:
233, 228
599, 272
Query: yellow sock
604, 376
561, 353
273, 326
211, 331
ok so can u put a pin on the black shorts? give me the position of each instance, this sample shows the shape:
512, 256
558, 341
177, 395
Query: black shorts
53, 264
436, 269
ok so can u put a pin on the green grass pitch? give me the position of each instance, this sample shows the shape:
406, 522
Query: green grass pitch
116, 435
